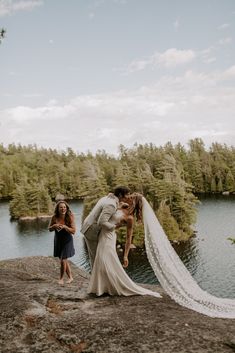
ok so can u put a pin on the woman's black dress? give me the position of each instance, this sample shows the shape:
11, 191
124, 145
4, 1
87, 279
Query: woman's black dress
63, 244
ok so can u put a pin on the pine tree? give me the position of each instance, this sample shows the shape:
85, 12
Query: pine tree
213, 185
229, 182
169, 223
30, 199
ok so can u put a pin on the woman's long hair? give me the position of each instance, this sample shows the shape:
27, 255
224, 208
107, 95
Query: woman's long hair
68, 214
135, 205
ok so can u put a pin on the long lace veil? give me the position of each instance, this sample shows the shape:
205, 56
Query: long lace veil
173, 276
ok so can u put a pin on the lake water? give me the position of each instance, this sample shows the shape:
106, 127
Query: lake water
209, 256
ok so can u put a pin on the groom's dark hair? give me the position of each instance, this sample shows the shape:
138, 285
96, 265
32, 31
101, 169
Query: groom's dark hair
121, 191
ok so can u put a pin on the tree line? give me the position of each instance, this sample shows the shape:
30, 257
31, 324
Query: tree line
169, 176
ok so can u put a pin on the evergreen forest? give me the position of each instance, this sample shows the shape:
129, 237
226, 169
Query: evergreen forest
169, 176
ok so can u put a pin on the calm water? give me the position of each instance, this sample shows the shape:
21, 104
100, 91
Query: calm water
209, 256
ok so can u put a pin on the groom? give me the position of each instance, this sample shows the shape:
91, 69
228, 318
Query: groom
100, 216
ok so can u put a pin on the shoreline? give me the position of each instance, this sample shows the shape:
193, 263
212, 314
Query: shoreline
33, 218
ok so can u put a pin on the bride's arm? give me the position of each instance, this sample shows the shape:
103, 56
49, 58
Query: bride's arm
129, 232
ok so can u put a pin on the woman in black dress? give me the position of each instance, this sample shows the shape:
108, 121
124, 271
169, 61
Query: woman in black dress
62, 222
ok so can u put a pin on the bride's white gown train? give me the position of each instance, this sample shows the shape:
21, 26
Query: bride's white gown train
108, 275
173, 276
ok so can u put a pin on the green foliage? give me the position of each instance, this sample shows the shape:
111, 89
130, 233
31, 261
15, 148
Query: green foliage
30, 200
169, 224
93, 184
169, 177
138, 235
229, 181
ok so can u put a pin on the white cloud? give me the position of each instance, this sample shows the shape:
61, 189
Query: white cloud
24, 114
8, 7
209, 60
13, 73
170, 58
138, 65
175, 108
52, 102
229, 73
207, 55
225, 41
173, 57
224, 26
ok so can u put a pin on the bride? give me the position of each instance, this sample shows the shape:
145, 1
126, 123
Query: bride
108, 275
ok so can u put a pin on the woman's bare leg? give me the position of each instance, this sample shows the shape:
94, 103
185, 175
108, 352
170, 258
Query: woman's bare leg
62, 270
69, 273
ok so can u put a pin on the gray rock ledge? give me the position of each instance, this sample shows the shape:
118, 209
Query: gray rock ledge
38, 315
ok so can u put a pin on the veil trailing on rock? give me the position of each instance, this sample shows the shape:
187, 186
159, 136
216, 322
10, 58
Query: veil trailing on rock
173, 276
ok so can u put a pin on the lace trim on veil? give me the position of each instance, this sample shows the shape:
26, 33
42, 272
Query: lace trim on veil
173, 276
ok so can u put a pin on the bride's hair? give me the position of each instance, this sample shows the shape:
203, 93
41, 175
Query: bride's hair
135, 205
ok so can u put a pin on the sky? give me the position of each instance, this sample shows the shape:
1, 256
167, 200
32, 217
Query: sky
94, 74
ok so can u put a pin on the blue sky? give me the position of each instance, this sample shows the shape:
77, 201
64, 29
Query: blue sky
94, 74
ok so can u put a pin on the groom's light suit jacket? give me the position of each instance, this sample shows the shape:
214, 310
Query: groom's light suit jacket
98, 217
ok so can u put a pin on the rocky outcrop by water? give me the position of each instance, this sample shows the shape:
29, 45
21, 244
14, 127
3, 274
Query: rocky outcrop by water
38, 315
35, 218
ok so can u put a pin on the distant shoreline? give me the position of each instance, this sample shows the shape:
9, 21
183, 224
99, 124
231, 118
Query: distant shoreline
33, 218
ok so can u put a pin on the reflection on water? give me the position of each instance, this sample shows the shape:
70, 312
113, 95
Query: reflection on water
216, 255
141, 271
139, 268
209, 256
189, 253
36, 226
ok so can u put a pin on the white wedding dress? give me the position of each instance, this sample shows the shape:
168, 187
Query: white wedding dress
173, 276
108, 275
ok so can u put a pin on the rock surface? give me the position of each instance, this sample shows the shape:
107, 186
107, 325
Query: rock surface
38, 315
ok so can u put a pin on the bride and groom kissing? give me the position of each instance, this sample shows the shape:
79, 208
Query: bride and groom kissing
112, 211
108, 275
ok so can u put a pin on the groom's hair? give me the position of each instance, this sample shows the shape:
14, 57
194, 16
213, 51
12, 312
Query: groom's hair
121, 191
